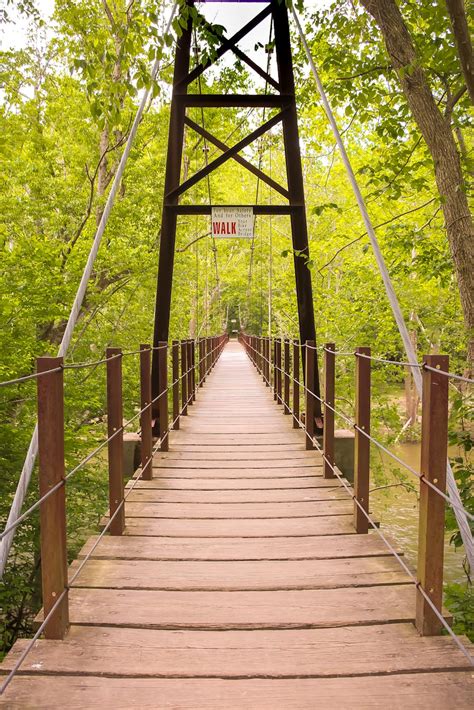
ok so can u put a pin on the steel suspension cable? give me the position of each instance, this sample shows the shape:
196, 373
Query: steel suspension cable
260, 162
461, 519
29, 462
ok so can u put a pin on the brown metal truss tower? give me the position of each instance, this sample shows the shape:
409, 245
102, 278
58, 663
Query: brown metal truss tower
284, 100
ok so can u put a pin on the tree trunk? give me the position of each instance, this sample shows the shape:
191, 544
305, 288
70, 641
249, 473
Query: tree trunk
436, 131
457, 13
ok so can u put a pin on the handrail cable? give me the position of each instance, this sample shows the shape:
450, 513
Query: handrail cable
75, 366
400, 363
260, 162
377, 443
71, 580
453, 490
30, 458
399, 559
14, 524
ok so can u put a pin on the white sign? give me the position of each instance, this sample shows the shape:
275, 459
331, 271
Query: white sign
232, 222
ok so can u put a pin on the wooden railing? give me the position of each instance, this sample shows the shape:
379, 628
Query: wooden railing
278, 373
188, 373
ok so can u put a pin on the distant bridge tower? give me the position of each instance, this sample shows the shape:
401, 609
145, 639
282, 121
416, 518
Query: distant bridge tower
282, 98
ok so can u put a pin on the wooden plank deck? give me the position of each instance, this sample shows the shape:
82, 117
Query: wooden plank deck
240, 583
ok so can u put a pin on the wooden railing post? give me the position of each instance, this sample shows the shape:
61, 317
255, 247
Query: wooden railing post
434, 450
54, 579
278, 364
189, 368
184, 379
275, 371
146, 423
266, 343
286, 382
329, 394
202, 364
114, 427
193, 371
309, 399
163, 400
175, 375
362, 443
296, 387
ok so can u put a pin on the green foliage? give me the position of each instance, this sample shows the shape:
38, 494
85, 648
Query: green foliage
459, 599
66, 108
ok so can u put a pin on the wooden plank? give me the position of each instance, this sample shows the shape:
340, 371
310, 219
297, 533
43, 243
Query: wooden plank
242, 610
238, 455
242, 473
183, 437
423, 691
293, 495
264, 575
250, 527
237, 510
235, 448
235, 428
356, 650
277, 548
288, 464
233, 484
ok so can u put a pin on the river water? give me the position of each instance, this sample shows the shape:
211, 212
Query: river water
397, 510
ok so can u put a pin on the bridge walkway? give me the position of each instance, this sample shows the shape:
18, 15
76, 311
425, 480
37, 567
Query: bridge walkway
240, 583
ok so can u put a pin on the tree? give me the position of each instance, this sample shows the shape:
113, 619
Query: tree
436, 131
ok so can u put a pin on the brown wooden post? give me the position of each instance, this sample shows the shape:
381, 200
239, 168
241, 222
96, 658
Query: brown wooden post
309, 398
362, 443
189, 377
163, 400
329, 394
193, 371
184, 379
54, 579
114, 425
275, 371
434, 450
146, 415
265, 360
175, 375
202, 365
286, 382
296, 387
279, 371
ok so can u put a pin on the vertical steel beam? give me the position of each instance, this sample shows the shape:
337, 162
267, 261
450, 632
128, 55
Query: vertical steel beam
168, 221
299, 228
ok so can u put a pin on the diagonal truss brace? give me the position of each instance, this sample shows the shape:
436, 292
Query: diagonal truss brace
230, 44
238, 158
230, 153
